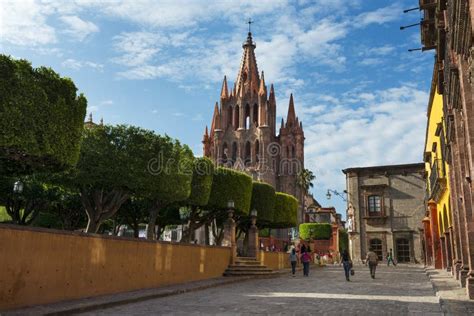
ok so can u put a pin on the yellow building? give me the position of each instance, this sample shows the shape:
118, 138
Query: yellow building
438, 222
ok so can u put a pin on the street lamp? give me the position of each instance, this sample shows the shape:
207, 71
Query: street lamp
253, 213
230, 209
230, 204
328, 194
18, 187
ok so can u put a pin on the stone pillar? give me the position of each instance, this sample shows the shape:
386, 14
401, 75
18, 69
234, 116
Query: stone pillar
448, 247
253, 238
428, 243
442, 243
229, 235
437, 257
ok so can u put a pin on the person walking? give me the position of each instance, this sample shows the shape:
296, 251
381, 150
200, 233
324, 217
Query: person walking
372, 259
346, 263
306, 259
293, 261
390, 258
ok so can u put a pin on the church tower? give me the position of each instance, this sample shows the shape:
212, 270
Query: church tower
243, 136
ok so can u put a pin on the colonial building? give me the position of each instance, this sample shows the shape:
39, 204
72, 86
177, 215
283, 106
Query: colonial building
385, 210
243, 131
447, 28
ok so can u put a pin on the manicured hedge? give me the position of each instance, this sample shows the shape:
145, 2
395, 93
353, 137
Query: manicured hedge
343, 240
228, 184
201, 184
263, 200
286, 210
320, 231
41, 118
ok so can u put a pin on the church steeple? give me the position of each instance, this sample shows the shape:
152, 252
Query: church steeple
263, 89
291, 117
248, 80
224, 90
215, 125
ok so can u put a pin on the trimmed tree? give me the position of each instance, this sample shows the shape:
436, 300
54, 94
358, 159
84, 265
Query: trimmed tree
286, 210
41, 118
201, 185
343, 240
263, 200
315, 231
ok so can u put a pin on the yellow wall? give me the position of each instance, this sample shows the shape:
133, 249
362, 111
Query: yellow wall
275, 260
434, 117
39, 266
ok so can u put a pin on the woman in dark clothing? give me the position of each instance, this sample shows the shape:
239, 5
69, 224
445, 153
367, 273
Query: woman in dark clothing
346, 262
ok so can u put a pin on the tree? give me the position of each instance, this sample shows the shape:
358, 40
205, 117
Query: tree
41, 119
305, 179
24, 207
112, 166
201, 185
263, 200
286, 208
315, 231
343, 240
133, 213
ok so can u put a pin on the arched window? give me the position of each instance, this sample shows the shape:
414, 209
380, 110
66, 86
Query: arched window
234, 152
247, 117
229, 116
376, 245
236, 117
257, 151
248, 158
224, 153
293, 152
255, 114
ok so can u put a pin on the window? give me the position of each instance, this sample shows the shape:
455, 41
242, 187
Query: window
247, 154
257, 151
247, 117
255, 114
224, 153
403, 250
229, 116
236, 117
376, 245
375, 204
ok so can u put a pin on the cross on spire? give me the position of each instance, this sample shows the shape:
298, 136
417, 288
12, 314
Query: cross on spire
249, 22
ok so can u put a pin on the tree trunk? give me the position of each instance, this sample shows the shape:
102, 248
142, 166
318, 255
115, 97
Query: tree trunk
150, 230
92, 226
206, 234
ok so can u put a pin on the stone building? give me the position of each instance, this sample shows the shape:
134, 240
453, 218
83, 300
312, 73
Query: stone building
243, 131
385, 210
447, 28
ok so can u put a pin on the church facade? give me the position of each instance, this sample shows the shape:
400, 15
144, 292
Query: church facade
243, 134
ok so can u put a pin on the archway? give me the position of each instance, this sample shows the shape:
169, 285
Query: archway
247, 116
403, 250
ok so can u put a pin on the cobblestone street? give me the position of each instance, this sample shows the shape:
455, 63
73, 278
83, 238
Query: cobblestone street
401, 290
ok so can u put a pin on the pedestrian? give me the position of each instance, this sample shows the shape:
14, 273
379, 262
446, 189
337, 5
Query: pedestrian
390, 258
303, 249
372, 259
305, 258
293, 260
346, 263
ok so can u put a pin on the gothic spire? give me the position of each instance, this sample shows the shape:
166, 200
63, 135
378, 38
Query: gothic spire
224, 90
248, 79
291, 111
215, 120
263, 89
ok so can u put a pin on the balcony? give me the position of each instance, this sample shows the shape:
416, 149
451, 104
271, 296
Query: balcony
437, 180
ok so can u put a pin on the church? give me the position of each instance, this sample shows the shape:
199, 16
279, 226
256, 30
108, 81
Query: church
243, 134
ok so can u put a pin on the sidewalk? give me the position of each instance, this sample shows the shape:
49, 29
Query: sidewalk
111, 300
452, 297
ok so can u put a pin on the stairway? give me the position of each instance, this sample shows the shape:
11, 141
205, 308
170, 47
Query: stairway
245, 266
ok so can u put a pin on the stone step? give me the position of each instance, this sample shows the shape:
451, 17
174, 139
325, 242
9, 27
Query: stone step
246, 273
251, 268
247, 263
246, 258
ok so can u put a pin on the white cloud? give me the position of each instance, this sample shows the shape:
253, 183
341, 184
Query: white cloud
371, 61
24, 23
78, 28
379, 16
74, 64
387, 127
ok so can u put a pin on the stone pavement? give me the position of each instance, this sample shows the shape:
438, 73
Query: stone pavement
453, 298
401, 290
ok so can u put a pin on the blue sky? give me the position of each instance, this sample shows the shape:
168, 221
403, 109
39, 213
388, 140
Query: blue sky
159, 65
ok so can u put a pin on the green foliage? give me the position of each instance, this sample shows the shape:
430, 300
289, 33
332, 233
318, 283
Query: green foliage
286, 210
229, 184
343, 240
201, 184
265, 232
4, 217
319, 231
263, 200
41, 118
305, 179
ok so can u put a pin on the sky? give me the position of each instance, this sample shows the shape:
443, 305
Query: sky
361, 96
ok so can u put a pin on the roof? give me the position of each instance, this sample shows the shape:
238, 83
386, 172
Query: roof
418, 165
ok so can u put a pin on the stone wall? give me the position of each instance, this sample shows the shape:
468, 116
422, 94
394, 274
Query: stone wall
42, 266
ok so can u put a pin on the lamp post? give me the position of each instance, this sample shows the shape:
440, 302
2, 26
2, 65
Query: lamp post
18, 187
229, 231
253, 235
329, 195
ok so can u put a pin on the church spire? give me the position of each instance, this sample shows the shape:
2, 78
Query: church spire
224, 90
290, 119
215, 120
248, 80
263, 89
